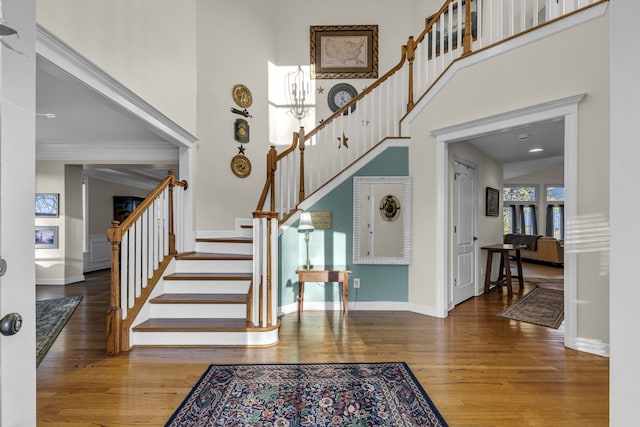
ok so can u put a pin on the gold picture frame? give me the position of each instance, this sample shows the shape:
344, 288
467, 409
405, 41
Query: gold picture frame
344, 51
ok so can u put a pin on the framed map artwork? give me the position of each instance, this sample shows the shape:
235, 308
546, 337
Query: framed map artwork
344, 52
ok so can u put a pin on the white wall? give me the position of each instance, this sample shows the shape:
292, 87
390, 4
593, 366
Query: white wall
625, 230
546, 70
147, 45
73, 224
100, 215
50, 262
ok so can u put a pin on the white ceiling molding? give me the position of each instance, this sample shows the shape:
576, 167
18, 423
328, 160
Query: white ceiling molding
106, 151
52, 49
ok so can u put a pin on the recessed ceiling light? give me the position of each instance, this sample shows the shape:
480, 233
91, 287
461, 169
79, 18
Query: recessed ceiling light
523, 136
536, 150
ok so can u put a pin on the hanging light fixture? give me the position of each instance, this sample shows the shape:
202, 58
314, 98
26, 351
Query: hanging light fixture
297, 90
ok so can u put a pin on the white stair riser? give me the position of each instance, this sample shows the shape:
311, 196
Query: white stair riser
206, 286
213, 266
224, 248
199, 311
205, 338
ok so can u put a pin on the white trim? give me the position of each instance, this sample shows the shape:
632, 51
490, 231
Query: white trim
565, 108
55, 51
109, 151
359, 306
61, 282
592, 346
405, 257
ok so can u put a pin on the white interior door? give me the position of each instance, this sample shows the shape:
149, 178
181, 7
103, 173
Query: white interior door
17, 188
464, 233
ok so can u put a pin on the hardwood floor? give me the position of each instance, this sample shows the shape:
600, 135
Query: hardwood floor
479, 369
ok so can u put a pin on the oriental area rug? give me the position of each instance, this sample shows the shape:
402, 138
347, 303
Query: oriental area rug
541, 306
51, 316
308, 395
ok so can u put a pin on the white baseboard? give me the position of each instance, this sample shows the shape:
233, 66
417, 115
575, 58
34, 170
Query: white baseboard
60, 282
360, 306
99, 255
597, 347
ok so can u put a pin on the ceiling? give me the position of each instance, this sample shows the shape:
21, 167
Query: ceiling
78, 125
511, 147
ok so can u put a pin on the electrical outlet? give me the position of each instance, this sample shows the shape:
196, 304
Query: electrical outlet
356, 283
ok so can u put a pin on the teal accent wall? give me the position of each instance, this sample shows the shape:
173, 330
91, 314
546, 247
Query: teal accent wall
378, 283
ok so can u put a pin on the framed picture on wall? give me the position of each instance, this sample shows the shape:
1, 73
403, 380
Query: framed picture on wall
493, 202
123, 206
46, 237
46, 204
344, 52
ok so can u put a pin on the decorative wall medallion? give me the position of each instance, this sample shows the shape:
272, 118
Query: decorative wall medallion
242, 96
241, 130
240, 164
389, 208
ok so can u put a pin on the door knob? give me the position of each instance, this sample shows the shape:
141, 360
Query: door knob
10, 324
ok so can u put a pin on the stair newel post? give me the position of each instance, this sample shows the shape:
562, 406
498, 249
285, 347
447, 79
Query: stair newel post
411, 56
468, 33
114, 314
301, 137
172, 236
273, 216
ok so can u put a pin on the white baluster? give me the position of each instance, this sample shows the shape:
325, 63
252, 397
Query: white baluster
124, 273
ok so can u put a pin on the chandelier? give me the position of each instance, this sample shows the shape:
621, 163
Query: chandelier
297, 90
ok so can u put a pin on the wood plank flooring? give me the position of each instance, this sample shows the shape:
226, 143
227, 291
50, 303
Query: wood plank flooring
479, 369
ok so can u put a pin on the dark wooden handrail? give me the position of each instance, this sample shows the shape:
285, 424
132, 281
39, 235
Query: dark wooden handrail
116, 336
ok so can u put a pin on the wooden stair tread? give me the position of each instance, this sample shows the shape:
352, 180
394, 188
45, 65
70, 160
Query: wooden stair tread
225, 239
200, 299
193, 325
209, 276
214, 256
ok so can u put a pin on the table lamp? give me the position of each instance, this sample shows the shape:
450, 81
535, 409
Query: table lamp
306, 227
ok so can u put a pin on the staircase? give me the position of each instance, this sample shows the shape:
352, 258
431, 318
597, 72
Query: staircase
226, 292
211, 287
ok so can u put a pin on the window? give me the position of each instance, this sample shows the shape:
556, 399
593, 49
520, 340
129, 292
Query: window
519, 211
554, 202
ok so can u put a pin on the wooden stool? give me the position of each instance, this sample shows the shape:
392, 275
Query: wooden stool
504, 278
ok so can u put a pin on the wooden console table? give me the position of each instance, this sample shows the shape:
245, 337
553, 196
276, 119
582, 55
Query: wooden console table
324, 273
505, 268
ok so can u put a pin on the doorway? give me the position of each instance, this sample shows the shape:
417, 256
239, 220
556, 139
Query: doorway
565, 109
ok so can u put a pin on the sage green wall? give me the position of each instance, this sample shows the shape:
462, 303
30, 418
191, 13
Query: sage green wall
378, 283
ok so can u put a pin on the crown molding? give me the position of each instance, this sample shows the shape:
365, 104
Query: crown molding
56, 52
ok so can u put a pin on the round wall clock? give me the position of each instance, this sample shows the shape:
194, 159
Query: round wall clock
339, 95
242, 95
241, 166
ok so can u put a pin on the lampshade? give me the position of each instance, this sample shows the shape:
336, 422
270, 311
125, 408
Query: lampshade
306, 224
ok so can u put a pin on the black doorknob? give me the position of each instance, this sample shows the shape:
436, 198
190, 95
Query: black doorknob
10, 324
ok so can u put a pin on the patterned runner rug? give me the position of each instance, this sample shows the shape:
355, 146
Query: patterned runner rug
541, 306
327, 394
51, 316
